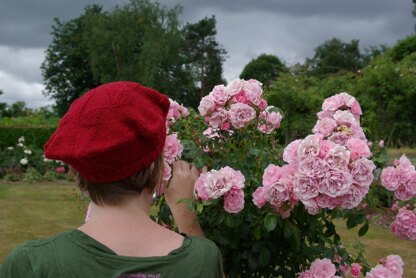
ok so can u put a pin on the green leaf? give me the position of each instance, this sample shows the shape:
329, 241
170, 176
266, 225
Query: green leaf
254, 151
257, 232
199, 208
364, 229
230, 222
265, 256
270, 222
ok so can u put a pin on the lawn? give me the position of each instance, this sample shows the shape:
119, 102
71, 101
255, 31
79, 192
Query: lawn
31, 211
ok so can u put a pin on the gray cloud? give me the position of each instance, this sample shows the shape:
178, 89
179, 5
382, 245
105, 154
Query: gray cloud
290, 29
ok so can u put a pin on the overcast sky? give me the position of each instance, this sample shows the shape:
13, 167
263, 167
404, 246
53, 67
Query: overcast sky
290, 29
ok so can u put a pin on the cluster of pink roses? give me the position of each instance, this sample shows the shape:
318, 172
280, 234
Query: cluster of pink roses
400, 178
390, 267
176, 112
236, 105
277, 189
404, 226
225, 182
330, 168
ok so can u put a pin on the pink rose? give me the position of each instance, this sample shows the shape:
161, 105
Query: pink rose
290, 154
241, 115
356, 108
217, 118
335, 183
347, 99
311, 205
358, 148
381, 144
353, 197
323, 268
395, 264
339, 138
404, 193
305, 187
235, 86
253, 92
356, 269
262, 104
390, 178
173, 148
276, 194
325, 126
234, 200
236, 178
220, 95
325, 114
324, 147
344, 117
206, 106
345, 270
338, 158
199, 187
380, 271
309, 147
184, 111
258, 197
332, 103
406, 169
357, 132
272, 174
313, 167
362, 171
216, 184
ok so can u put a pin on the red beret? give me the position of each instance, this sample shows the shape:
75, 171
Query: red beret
112, 132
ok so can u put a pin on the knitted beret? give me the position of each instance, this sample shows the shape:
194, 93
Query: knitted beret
112, 132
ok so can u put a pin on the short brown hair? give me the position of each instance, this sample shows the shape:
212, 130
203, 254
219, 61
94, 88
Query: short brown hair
114, 193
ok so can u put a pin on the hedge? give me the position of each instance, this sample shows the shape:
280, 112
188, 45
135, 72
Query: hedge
34, 136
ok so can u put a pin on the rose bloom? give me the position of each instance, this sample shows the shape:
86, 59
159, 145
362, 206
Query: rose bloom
362, 171
325, 114
258, 197
235, 86
323, 268
395, 264
220, 95
356, 269
325, 126
358, 148
390, 178
234, 200
253, 91
380, 271
405, 193
332, 103
338, 158
290, 154
353, 197
335, 183
381, 144
236, 178
167, 171
313, 167
199, 187
272, 174
276, 194
324, 147
216, 184
339, 138
306, 187
309, 147
173, 148
262, 104
217, 118
241, 115
405, 168
356, 108
206, 106
345, 117
311, 205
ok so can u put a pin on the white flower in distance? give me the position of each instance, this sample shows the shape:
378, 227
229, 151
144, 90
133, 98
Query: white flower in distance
24, 161
21, 139
20, 145
10, 148
27, 152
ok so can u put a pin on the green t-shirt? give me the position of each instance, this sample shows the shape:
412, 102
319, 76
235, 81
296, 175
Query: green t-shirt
75, 254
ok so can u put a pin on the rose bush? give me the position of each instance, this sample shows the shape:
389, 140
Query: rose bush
271, 209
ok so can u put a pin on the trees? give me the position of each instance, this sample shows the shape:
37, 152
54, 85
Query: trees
67, 67
140, 41
204, 55
265, 68
335, 55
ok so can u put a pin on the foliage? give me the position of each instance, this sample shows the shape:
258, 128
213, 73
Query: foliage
37, 136
265, 68
404, 48
204, 54
140, 41
335, 55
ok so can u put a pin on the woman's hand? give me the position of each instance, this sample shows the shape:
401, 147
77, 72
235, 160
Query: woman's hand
181, 186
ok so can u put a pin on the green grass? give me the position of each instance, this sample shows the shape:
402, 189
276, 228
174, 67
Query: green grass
379, 242
31, 211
